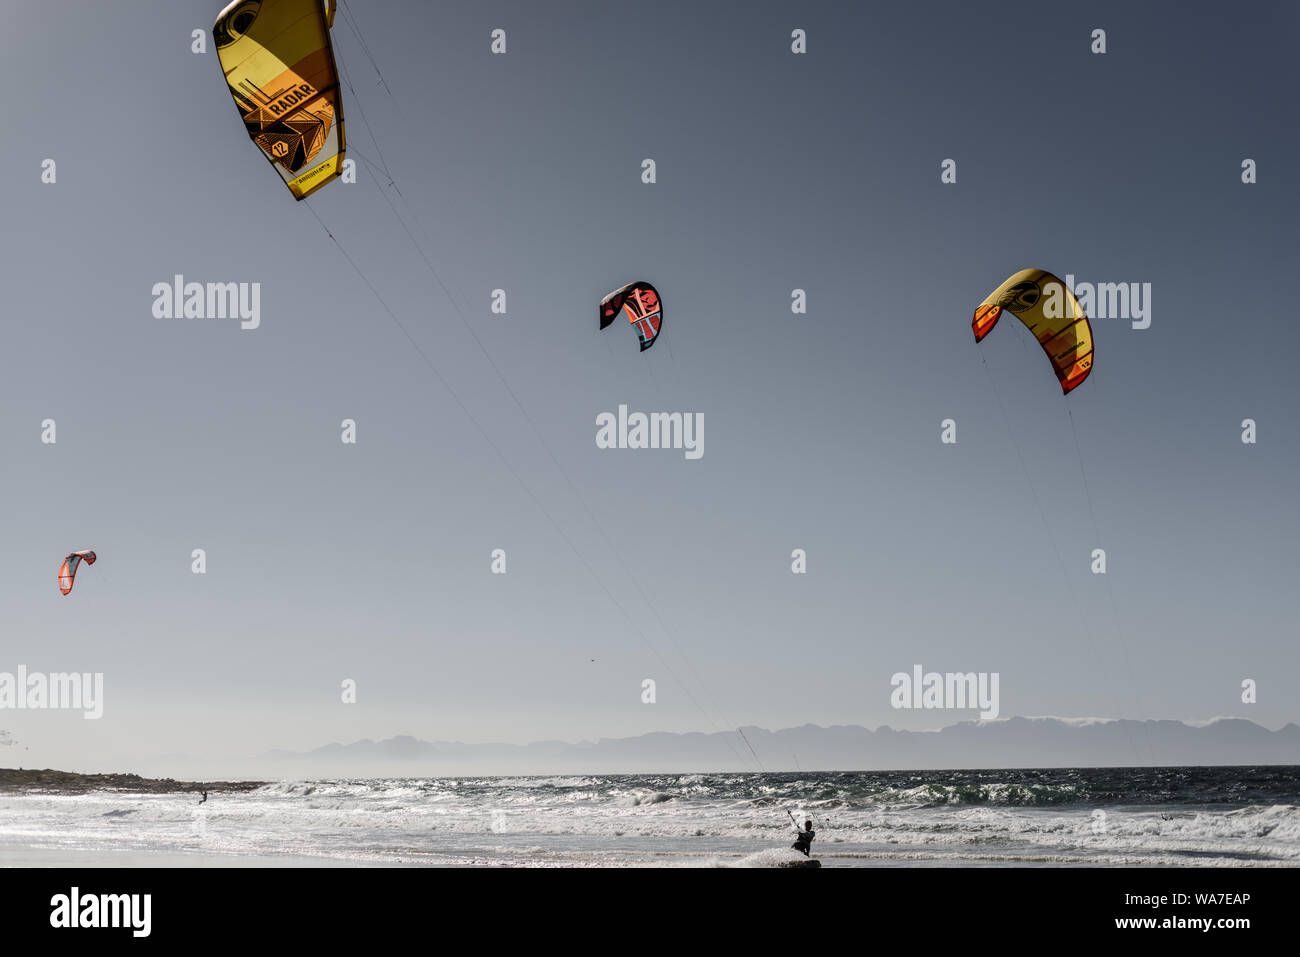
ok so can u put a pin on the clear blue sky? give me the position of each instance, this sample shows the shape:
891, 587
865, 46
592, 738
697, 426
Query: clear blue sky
775, 171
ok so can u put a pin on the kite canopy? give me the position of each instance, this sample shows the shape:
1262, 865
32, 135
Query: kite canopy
279, 67
1049, 310
640, 301
68, 570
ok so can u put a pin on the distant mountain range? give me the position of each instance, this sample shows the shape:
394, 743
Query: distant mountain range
1010, 743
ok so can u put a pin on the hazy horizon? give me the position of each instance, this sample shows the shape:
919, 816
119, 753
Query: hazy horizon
1055, 743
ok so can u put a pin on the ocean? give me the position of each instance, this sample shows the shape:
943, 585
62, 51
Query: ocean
1060, 817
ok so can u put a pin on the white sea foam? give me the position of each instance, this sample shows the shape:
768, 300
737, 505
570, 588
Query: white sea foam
697, 820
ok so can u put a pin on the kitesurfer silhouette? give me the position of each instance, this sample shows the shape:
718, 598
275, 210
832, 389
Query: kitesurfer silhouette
803, 842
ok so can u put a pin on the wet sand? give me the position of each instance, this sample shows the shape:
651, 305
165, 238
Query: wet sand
44, 856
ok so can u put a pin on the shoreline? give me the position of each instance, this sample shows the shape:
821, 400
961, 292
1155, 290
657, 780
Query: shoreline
49, 781
44, 856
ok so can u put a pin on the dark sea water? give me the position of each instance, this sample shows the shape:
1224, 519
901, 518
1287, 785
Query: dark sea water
1238, 786
1247, 816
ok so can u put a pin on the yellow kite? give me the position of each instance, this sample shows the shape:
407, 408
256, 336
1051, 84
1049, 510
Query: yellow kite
279, 66
1048, 308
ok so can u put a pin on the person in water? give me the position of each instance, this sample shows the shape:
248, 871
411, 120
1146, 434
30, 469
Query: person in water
803, 840
205, 797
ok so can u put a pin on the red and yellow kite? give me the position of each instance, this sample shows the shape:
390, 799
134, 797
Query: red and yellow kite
1049, 310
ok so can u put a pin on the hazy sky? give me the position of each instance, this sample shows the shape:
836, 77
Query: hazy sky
523, 172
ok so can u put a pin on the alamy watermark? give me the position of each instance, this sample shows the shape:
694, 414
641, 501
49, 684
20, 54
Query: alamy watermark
1102, 300
58, 691
953, 691
651, 430
179, 299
